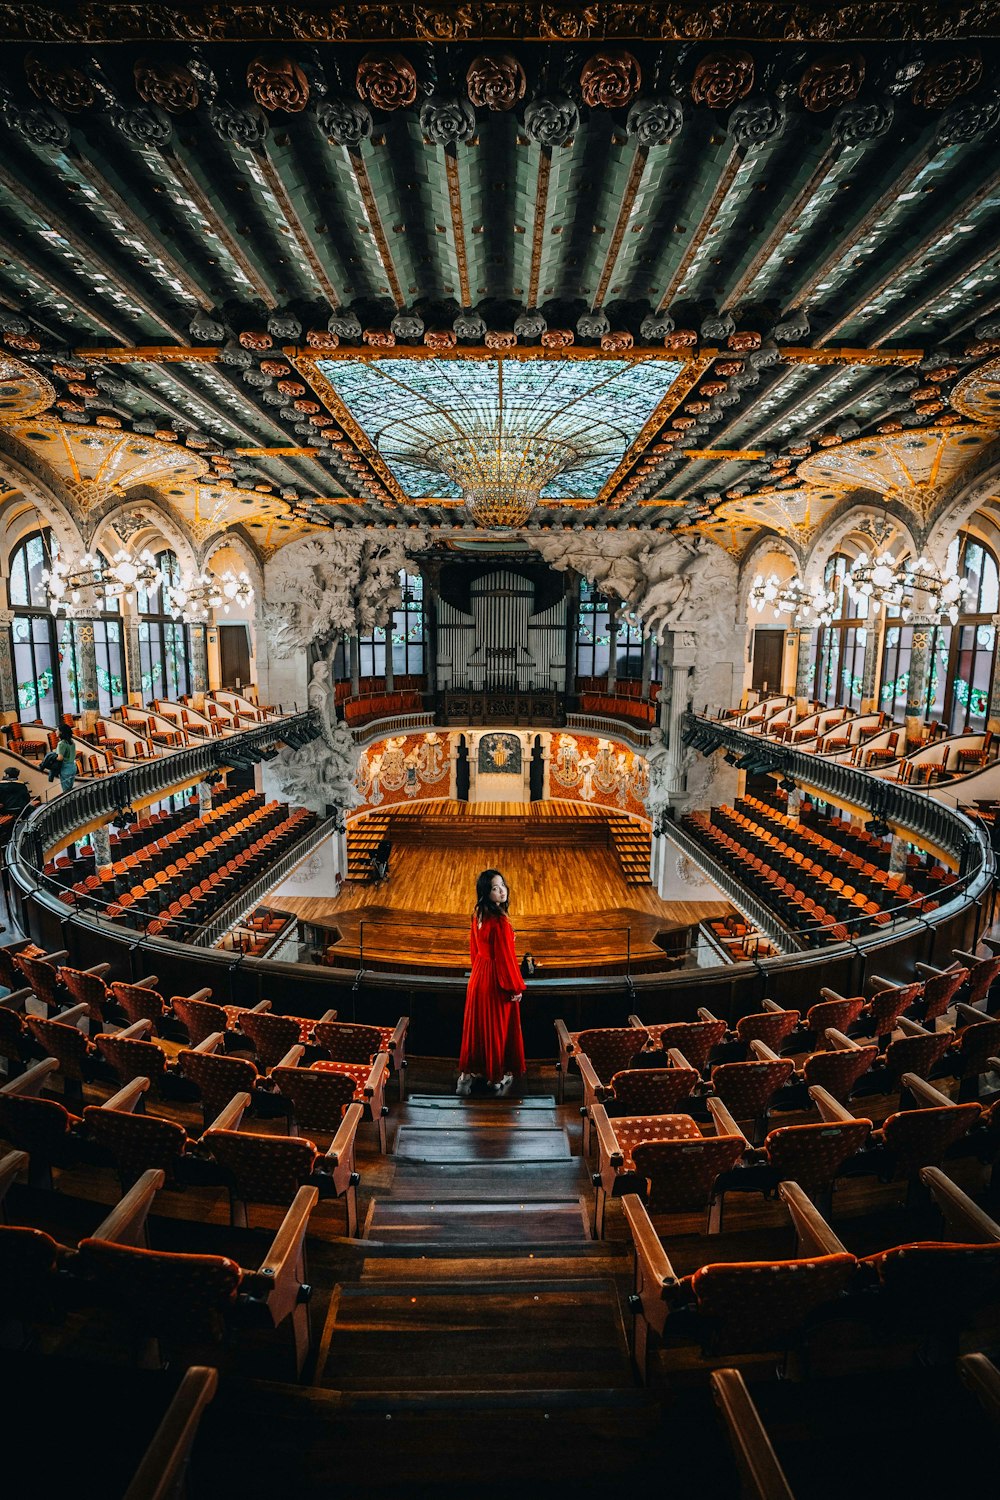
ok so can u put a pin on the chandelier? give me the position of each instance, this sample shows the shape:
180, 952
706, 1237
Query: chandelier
807, 605
95, 582
194, 596
907, 587
500, 469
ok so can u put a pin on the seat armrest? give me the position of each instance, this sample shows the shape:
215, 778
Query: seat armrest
126, 1223
704, 1014
149, 983
326, 1018
293, 1056
982, 1378
56, 957
878, 984
17, 999
925, 1093
758, 1464
32, 1080
342, 1145
376, 1078
763, 1053
648, 1246
724, 1122
399, 1034
911, 1028
133, 1033
813, 1233
593, 1088
610, 1150
930, 970
284, 1263
831, 1110
100, 969
205, 994
260, 1007
209, 1043
677, 1058
634, 1021
72, 1015
12, 1164
962, 957
562, 1037
127, 1099
961, 1214
970, 1015
230, 1117
161, 1468
839, 1041
829, 994
772, 1005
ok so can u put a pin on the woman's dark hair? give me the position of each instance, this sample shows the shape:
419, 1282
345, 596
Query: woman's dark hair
65, 733
484, 906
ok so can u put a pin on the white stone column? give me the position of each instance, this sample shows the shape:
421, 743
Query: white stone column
683, 658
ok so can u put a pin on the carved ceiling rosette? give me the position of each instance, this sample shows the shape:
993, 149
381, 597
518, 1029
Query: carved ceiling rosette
386, 80
277, 82
167, 85
66, 88
495, 82
610, 79
722, 78
943, 82
832, 80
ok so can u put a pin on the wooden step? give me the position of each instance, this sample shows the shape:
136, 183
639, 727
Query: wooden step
416, 1180
433, 1144
478, 1336
496, 1224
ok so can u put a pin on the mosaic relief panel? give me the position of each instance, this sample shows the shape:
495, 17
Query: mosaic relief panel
402, 768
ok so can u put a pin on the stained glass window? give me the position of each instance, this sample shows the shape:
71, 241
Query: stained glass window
841, 646
593, 636
164, 659
969, 666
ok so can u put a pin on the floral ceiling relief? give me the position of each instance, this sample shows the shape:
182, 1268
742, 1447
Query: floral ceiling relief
914, 468
343, 582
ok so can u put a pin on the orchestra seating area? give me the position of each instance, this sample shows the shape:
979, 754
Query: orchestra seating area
172, 870
809, 1193
824, 877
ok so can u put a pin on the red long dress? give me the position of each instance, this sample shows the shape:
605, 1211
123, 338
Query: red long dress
491, 1030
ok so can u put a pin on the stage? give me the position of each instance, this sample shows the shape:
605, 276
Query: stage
577, 904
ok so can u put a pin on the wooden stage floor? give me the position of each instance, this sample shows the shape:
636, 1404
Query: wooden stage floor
570, 904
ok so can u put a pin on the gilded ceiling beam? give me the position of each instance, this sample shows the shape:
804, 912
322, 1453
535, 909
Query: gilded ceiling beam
632, 185
84, 248
725, 182
688, 377
375, 223
791, 354
862, 227
788, 219
538, 225
457, 225
926, 246
140, 228
189, 184
60, 287
296, 227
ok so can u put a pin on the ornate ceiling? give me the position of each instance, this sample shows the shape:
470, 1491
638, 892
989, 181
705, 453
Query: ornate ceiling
261, 268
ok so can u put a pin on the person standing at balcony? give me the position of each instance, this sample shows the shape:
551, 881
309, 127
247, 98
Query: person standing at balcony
492, 1047
66, 756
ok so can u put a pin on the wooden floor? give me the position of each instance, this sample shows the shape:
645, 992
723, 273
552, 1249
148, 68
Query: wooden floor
569, 905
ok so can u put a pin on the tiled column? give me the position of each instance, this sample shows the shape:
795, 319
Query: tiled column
86, 661
9, 706
199, 659
870, 671
916, 689
993, 709
804, 667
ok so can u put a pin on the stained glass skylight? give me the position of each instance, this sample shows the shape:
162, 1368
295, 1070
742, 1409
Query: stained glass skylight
413, 410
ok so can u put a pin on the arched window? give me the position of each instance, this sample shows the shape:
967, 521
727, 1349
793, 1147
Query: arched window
973, 638
408, 627
840, 647
48, 649
593, 635
164, 662
629, 646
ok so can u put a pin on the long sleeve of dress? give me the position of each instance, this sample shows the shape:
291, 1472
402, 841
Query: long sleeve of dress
501, 941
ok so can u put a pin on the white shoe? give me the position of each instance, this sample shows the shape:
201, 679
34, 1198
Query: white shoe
464, 1085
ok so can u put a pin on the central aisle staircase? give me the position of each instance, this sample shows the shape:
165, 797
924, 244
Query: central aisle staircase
480, 1338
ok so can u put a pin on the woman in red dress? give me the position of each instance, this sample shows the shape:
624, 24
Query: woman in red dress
491, 1031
